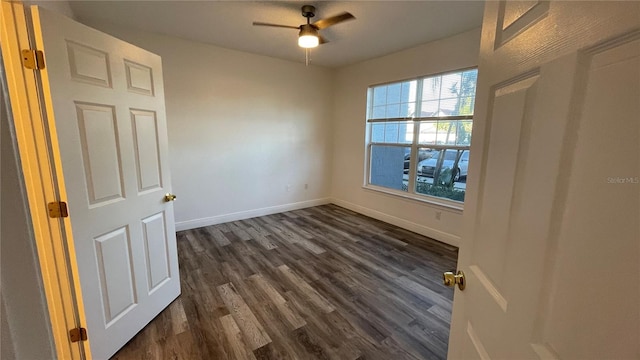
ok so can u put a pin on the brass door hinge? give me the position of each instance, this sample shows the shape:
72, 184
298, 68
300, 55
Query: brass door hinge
78, 334
33, 59
58, 209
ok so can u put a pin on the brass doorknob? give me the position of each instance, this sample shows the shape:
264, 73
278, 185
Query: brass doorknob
450, 279
169, 197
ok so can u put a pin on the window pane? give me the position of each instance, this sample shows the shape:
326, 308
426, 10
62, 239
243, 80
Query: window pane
464, 132
450, 94
447, 131
393, 100
377, 132
431, 88
423, 154
428, 132
379, 95
430, 108
443, 174
469, 82
448, 107
465, 106
378, 112
402, 92
409, 91
392, 132
394, 93
407, 109
467, 93
387, 166
450, 86
393, 111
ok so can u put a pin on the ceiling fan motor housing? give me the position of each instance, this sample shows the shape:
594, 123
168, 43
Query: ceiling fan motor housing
308, 29
308, 11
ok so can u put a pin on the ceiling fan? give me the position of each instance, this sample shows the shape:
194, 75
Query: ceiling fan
309, 36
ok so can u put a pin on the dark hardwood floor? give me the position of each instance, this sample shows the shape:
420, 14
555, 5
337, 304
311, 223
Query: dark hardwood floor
318, 283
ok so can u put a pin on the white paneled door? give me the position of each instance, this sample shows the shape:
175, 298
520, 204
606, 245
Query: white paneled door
551, 245
107, 102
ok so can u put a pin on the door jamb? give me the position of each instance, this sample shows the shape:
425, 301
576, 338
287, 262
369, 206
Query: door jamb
40, 164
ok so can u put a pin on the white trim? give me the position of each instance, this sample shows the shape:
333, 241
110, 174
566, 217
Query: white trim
241, 215
439, 235
453, 206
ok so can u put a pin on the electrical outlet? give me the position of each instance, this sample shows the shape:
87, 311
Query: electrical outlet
306, 186
288, 187
438, 215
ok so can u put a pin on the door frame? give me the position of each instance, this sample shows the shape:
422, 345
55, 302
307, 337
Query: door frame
41, 167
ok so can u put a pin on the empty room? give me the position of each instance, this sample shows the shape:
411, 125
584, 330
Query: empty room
320, 180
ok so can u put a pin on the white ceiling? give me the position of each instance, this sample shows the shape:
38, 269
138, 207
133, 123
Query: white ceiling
380, 28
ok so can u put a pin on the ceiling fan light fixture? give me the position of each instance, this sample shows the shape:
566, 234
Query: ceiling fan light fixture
308, 41
308, 37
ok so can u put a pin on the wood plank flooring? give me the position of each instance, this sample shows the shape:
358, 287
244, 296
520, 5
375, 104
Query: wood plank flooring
317, 283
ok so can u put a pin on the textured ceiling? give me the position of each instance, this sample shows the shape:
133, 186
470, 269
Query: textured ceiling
380, 28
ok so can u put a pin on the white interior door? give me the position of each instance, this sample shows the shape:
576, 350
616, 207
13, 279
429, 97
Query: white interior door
551, 245
107, 101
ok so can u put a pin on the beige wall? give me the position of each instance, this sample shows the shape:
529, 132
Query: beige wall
350, 94
7, 351
59, 6
246, 132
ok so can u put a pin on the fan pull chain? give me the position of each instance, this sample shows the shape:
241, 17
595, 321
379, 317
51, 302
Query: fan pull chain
306, 57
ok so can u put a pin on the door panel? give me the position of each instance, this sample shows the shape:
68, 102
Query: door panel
509, 119
106, 101
115, 272
606, 196
139, 78
100, 153
155, 243
145, 137
516, 16
88, 64
551, 218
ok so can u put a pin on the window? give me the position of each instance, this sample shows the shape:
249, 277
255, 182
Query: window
418, 135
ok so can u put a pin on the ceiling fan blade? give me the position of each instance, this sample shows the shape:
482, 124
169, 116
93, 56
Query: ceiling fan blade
256, 23
325, 23
322, 40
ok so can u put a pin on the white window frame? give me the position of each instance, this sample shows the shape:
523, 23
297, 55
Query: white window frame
414, 145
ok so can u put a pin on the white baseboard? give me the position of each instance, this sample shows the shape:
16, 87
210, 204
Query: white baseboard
405, 224
219, 219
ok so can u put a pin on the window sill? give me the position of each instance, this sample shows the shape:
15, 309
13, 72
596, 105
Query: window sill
453, 206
